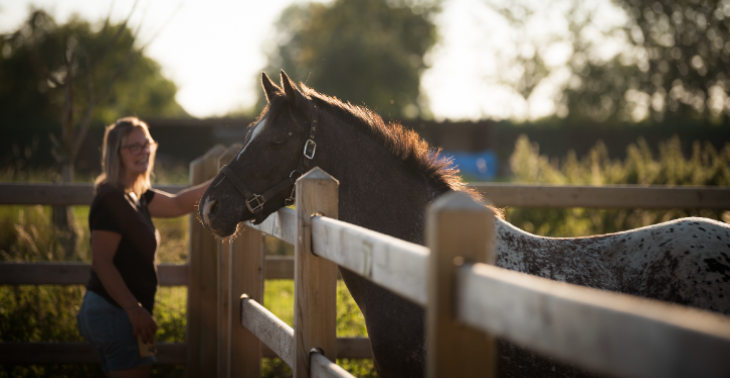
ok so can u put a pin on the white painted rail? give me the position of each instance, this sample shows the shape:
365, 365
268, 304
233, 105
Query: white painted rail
395, 264
324, 368
613, 333
271, 330
280, 224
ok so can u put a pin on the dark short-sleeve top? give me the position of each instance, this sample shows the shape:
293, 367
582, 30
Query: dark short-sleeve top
117, 211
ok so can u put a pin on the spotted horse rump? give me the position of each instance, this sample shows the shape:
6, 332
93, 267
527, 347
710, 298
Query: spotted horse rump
684, 261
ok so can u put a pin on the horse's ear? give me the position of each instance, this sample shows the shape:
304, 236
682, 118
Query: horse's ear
270, 89
293, 95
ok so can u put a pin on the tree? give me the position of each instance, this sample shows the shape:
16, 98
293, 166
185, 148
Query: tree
104, 68
674, 62
365, 52
77, 75
683, 55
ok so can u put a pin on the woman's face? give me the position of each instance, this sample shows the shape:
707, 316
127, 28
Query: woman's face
136, 152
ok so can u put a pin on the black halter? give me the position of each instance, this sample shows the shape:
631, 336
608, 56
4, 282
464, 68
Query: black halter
254, 202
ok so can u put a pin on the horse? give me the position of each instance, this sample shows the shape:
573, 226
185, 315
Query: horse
388, 175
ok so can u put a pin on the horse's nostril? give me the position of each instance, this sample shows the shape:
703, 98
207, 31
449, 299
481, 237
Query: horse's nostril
208, 207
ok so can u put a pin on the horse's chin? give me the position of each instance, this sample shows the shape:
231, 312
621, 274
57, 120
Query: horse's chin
223, 232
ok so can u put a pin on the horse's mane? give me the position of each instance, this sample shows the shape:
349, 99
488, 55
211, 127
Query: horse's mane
403, 143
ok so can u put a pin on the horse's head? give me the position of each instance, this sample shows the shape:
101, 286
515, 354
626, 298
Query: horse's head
278, 149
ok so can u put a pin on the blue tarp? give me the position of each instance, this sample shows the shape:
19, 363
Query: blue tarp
480, 165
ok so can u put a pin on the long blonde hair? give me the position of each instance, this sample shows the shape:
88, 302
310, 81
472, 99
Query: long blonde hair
111, 161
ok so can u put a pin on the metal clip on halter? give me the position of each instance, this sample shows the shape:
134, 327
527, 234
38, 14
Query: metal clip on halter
259, 203
307, 146
291, 199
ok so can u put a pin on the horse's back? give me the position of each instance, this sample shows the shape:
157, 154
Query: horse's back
685, 261
688, 263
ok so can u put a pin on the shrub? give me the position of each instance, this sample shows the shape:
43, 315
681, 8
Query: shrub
706, 166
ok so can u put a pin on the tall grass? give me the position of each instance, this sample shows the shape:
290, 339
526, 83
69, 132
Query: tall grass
705, 166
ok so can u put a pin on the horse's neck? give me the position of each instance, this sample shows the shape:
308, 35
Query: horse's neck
376, 190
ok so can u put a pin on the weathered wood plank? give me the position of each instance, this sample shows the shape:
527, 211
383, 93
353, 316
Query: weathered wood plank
354, 347
194, 325
607, 196
458, 229
224, 309
247, 276
281, 224
23, 353
209, 266
324, 368
616, 334
57, 194
315, 278
273, 332
76, 353
225, 302
76, 273
347, 347
279, 268
395, 264
203, 287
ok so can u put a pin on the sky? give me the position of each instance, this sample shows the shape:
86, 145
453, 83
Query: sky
192, 41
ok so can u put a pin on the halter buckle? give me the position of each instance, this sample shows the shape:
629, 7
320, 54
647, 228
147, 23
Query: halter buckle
260, 200
291, 199
307, 146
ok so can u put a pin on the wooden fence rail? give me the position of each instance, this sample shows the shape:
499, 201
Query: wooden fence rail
616, 334
12, 193
607, 196
515, 195
77, 273
167, 353
605, 332
76, 353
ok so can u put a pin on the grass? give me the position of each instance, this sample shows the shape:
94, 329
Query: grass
279, 299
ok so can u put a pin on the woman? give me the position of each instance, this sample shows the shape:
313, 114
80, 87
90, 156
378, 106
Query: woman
117, 307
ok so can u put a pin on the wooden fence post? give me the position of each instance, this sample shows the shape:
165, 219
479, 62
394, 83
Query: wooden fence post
315, 279
202, 289
224, 286
458, 230
247, 263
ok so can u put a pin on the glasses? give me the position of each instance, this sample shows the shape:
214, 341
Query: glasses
136, 149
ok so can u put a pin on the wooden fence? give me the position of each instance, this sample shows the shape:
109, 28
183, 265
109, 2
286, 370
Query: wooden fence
465, 297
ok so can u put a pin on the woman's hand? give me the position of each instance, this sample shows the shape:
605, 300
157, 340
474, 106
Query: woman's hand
142, 323
166, 205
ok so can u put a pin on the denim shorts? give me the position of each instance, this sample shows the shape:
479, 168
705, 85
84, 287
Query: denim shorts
109, 330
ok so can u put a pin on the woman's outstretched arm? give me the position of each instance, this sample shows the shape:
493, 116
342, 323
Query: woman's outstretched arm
166, 205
